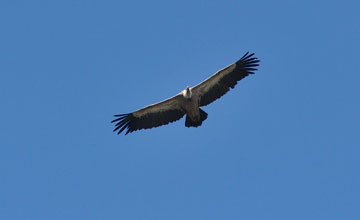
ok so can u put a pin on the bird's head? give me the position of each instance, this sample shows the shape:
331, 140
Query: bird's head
187, 93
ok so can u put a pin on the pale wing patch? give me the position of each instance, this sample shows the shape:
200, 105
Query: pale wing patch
210, 82
168, 104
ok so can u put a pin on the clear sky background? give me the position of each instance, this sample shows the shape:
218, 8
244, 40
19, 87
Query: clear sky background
284, 144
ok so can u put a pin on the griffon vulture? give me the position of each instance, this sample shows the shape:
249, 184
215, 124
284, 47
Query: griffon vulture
189, 101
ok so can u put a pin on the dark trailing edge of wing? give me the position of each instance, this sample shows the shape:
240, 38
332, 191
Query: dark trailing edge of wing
150, 120
245, 66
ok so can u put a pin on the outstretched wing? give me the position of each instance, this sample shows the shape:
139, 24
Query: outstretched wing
151, 116
221, 82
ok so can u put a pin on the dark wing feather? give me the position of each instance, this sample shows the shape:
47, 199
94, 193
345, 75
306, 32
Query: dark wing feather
151, 116
221, 82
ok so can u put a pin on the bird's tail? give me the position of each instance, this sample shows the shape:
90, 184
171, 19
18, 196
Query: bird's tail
190, 123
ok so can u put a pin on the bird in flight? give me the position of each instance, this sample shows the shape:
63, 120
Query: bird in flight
188, 101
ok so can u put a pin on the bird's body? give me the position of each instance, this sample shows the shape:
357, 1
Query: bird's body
191, 107
189, 101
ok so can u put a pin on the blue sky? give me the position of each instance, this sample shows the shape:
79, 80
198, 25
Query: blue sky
284, 144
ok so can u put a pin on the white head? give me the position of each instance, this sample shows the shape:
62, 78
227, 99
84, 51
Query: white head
187, 93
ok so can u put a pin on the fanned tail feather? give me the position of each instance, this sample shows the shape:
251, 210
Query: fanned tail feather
190, 123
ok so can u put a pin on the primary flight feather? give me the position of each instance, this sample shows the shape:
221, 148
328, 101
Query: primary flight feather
189, 101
